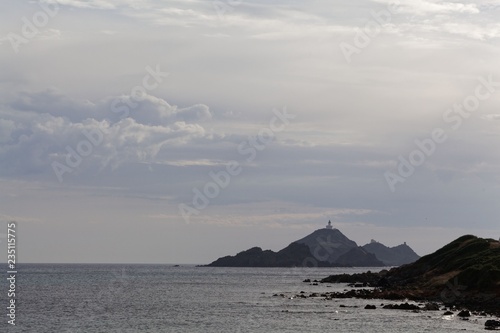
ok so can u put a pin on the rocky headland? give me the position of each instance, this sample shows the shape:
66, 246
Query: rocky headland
463, 274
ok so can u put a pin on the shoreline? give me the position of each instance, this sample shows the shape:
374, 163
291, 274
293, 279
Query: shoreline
385, 288
408, 300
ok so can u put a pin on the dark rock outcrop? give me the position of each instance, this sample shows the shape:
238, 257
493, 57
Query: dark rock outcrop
402, 306
492, 324
368, 278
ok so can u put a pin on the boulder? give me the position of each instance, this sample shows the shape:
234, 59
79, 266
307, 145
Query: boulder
402, 306
492, 324
431, 307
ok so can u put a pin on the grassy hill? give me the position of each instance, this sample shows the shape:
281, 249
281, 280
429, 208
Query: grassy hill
466, 272
469, 263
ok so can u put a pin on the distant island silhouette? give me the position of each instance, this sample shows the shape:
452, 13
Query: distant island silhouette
326, 247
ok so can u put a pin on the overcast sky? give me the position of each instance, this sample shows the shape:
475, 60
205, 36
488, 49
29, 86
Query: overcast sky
116, 116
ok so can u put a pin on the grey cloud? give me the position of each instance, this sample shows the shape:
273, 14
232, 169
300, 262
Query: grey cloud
37, 128
353, 120
153, 110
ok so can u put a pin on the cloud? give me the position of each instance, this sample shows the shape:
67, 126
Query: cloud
227, 72
276, 214
494, 116
474, 31
37, 129
86, 4
422, 7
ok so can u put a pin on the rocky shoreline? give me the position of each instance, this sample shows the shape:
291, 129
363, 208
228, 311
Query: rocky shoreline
464, 311
452, 296
464, 276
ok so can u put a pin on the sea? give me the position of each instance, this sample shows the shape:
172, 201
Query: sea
168, 298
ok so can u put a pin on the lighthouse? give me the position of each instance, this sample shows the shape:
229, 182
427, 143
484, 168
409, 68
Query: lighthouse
329, 225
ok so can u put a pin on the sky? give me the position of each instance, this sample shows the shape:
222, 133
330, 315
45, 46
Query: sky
148, 131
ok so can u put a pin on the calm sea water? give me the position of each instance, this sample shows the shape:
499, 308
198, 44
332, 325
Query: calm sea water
163, 298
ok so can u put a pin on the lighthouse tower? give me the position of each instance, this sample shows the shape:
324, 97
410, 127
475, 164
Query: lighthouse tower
329, 225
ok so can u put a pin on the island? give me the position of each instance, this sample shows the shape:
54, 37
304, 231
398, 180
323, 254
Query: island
326, 247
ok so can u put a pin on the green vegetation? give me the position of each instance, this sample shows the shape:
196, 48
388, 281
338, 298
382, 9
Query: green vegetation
474, 261
466, 272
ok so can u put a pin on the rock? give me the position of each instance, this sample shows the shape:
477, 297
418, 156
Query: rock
307, 280
402, 306
431, 307
370, 307
492, 324
464, 313
447, 313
